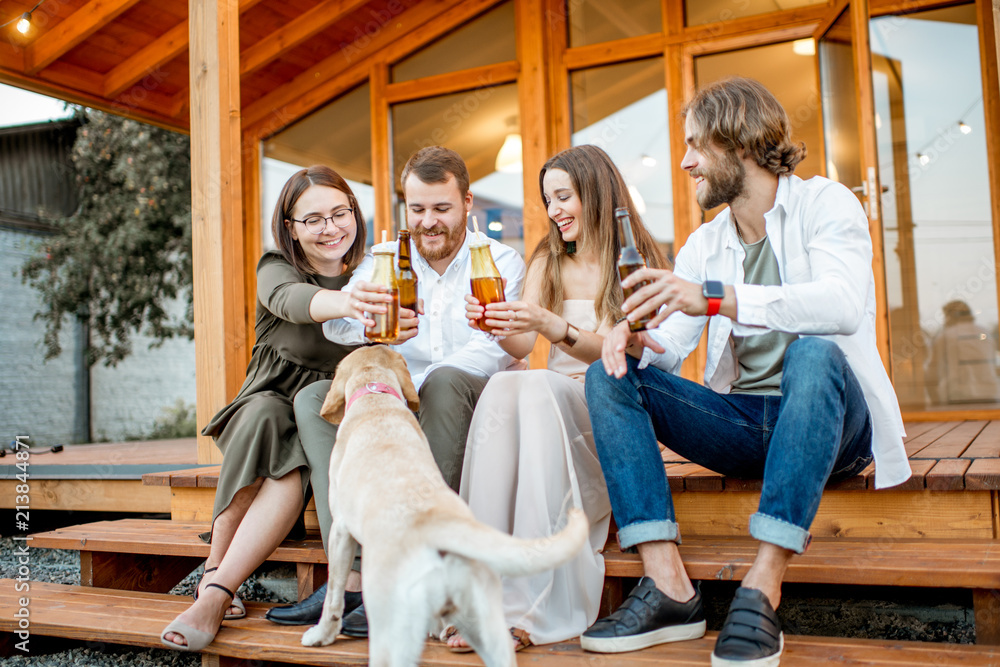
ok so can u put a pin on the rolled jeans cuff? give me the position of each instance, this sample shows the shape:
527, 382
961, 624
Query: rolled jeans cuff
780, 533
648, 531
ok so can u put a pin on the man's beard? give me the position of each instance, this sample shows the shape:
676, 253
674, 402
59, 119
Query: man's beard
452, 240
724, 183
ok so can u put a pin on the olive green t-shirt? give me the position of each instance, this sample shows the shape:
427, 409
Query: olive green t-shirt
760, 358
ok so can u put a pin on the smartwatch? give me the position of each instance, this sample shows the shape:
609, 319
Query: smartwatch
715, 292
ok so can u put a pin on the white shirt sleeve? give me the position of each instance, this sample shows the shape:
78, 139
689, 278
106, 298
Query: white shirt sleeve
347, 330
480, 355
678, 334
825, 291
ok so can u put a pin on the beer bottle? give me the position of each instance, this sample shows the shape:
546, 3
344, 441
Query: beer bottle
487, 285
629, 261
386, 325
406, 277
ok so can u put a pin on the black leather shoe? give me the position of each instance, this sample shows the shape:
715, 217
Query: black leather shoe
309, 610
751, 635
356, 623
646, 618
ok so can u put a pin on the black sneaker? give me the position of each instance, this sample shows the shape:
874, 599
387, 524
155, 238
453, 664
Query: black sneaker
751, 635
646, 618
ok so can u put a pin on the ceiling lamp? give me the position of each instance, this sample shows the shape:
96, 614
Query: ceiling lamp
804, 47
509, 158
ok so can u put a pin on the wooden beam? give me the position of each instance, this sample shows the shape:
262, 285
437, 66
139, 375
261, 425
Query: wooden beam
147, 61
73, 84
748, 24
452, 82
72, 30
631, 48
295, 32
745, 40
348, 67
216, 212
381, 142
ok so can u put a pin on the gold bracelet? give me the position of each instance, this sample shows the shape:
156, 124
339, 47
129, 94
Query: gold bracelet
572, 335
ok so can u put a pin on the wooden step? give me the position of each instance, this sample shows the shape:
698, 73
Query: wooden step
150, 555
942, 563
136, 619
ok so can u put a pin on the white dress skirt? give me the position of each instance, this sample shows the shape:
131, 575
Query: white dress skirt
530, 456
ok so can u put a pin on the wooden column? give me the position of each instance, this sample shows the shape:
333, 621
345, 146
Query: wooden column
535, 21
868, 149
253, 242
382, 170
988, 18
216, 210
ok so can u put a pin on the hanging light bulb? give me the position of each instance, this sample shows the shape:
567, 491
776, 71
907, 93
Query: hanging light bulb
648, 160
923, 159
963, 128
24, 23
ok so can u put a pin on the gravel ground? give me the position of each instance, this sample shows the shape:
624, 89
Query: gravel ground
848, 611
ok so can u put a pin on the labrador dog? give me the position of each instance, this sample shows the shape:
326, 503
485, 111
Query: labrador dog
428, 562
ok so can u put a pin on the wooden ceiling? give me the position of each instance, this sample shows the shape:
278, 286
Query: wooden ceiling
131, 56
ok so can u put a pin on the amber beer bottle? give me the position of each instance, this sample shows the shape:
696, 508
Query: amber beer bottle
406, 277
487, 285
386, 325
629, 261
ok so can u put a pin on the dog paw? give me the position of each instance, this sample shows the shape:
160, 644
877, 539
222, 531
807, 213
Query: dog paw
315, 636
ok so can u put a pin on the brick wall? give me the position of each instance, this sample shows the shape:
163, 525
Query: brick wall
41, 399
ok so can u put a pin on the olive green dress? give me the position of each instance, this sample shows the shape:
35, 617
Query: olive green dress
256, 432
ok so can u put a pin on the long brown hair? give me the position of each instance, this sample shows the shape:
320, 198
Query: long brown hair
742, 117
300, 182
601, 189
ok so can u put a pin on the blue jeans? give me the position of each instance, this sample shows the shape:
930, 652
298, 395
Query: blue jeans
818, 429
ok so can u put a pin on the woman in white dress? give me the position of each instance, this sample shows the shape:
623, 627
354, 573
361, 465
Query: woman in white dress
530, 453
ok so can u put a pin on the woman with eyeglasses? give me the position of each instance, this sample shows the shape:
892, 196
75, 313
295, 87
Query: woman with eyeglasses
319, 231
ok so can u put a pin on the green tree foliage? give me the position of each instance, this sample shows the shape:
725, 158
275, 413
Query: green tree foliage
125, 253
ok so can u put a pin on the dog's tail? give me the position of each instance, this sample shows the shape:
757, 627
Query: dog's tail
509, 555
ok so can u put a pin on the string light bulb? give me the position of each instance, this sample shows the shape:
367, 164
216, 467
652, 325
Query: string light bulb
24, 23
963, 128
648, 160
923, 158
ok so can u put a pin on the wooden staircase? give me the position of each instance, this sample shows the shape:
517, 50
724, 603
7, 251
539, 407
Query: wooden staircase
939, 530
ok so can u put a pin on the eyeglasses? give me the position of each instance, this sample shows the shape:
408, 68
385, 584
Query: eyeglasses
316, 224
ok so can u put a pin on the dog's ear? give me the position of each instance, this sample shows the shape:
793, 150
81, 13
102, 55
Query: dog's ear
405, 382
333, 406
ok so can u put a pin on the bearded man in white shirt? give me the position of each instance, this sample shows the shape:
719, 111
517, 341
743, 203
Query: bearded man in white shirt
449, 362
794, 390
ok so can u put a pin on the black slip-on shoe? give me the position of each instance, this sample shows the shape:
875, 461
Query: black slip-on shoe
751, 635
646, 618
308, 611
356, 623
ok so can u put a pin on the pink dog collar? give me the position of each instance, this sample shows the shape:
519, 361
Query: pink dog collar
371, 388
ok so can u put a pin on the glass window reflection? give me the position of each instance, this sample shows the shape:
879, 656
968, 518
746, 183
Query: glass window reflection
623, 109
475, 124
940, 265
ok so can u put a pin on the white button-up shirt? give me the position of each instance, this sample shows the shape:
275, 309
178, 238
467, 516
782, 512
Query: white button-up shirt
819, 234
444, 336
